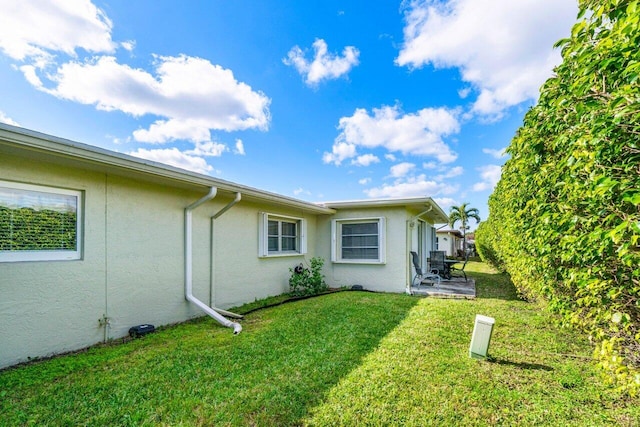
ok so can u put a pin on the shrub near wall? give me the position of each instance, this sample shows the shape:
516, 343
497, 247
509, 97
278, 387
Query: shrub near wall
565, 217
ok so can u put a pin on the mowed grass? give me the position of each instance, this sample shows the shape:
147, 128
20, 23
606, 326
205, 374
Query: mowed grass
347, 358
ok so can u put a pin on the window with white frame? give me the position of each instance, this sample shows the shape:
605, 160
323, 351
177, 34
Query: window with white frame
281, 235
39, 223
358, 240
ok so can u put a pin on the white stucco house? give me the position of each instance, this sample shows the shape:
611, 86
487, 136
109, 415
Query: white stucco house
93, 242
449, 241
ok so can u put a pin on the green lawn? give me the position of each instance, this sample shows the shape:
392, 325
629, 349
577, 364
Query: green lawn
347, 358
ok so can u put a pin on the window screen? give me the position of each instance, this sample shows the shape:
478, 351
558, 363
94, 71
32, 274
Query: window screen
38, 223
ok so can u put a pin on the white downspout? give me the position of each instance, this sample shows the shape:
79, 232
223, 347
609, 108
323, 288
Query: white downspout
188, 264
211, 284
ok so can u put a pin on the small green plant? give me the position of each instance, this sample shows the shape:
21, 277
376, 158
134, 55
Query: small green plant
308, 281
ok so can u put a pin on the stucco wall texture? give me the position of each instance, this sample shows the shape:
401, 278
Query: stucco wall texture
132, 268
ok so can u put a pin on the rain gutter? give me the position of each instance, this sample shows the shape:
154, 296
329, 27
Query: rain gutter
188, 265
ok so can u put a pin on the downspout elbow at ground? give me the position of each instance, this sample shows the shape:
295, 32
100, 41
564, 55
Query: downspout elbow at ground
188, 269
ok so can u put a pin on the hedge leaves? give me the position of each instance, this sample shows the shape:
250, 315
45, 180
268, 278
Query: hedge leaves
565, 217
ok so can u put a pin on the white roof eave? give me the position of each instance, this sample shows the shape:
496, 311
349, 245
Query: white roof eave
100, 159
416, 202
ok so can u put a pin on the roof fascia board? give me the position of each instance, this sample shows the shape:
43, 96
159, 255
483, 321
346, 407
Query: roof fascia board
36, 141
400, 202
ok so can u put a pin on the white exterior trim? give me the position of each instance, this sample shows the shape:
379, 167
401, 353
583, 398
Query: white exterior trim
75, 154
436, 214
48, 255
335, 242
263, 240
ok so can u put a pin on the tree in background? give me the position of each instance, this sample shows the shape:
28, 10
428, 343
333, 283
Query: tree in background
463, 214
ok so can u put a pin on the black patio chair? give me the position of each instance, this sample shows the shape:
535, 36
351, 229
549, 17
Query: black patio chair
458, 270
423, 277
438, 265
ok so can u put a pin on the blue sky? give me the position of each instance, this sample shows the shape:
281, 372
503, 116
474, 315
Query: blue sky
320, 100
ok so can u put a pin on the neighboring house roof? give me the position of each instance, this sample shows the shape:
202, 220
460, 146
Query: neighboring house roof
423, 204
15, 140
457, 233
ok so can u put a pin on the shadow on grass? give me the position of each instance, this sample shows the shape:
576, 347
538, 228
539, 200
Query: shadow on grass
314, 343
492, 284
520, 365
198, 373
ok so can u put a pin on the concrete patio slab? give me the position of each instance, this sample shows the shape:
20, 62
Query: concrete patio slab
452, 288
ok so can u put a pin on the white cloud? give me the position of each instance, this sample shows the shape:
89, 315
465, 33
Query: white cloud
429, 165
299, 191
117, 140
325, 66
490, 175
36, 29
420, 133
189, 96
413, 186
174, 157
365, 160
390, 157
401, 169
30, 74
497, 154
163, 131
340, 152
208, 149
239, 150
6, 119
464, 92
194, 95
445, 202
129, 45
503, 48
364, 181
451, 173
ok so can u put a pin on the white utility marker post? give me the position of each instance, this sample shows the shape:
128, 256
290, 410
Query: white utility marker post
482, 330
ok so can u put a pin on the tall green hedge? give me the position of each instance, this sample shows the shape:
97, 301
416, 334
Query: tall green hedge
564, 220
27, 229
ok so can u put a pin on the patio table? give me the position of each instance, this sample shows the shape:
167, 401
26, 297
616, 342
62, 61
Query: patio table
447, 267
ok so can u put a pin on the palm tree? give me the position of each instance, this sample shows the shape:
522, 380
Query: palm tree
463, 213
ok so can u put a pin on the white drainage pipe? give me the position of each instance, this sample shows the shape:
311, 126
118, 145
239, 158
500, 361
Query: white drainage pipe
188, 264
213, 259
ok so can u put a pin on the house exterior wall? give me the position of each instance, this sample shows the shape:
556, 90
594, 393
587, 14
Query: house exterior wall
132, 266
50, 307
388, 277
240, 275
132, 269
450, 243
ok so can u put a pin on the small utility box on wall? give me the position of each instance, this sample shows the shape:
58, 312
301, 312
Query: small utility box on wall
482, 330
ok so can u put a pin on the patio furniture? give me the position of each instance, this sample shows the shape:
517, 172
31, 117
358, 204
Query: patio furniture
439, 264
423, 277
448, 263
453, 267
